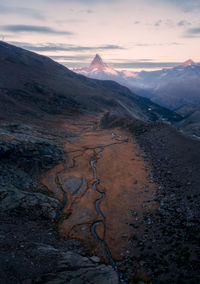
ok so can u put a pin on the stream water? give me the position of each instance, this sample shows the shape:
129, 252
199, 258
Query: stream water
102, 221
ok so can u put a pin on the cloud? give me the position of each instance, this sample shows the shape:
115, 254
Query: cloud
33, 29
175, 43
86, 2
158, 23
148, 44
156, 44
192, 33
71, 57
145, 64
110, 46
65, 47
71, 20
89, 11
187, 5
21, 11
183, 23
123, 65
168, 23
184, 5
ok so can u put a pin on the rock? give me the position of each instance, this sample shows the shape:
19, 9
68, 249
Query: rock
76, 269
74, 185
95, 259
76, 281
38, 204
27, 281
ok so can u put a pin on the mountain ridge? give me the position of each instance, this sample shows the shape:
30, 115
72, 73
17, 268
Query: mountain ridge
36, 85
168, 87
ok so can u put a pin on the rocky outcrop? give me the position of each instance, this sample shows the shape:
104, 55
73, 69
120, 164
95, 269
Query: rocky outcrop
34, 253
26, 151
28, 203
76, 269
21, 145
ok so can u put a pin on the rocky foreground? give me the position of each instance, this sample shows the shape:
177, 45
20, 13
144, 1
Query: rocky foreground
151, 180
31, 248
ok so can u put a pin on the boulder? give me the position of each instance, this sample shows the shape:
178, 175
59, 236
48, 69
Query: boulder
35, 204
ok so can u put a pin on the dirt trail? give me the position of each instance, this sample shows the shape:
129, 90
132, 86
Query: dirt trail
123, 176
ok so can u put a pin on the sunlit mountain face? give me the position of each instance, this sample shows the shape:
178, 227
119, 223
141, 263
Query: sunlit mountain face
99, 156
97, 68
173, 87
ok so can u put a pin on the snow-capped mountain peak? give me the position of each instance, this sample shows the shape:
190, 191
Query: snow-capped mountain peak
189, 62
97, 61
97, 67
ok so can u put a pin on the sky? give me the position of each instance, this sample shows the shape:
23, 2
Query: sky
128, 34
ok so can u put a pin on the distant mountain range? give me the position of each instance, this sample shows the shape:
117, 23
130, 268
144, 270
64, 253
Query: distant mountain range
34, 87
176, 88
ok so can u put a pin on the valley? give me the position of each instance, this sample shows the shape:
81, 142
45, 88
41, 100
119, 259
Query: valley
112, 199
122, 176
96, 183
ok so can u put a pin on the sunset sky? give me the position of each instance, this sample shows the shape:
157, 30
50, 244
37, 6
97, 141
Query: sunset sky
134, 34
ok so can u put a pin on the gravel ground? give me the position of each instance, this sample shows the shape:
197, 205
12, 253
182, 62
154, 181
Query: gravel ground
166, 241
173, 256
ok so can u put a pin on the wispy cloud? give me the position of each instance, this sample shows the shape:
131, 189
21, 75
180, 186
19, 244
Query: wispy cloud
88, 11
4, 10
33, 29
195, 31
71, 58
192, 33
184, 5
85, 2
145, 64
183, 23
158, 23
187, 5
156, 44
167, 23
66, 47
123, 65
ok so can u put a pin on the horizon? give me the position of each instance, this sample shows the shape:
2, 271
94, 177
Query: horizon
129, 35
168, 65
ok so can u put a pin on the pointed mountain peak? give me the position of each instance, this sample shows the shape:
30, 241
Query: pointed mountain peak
97, 66
97, 60
189, 62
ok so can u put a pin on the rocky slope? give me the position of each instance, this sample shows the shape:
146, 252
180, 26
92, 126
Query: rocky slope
191, 123
34, 87
169, 246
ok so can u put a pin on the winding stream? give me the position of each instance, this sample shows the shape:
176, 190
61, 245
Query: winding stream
102, 221
98, 210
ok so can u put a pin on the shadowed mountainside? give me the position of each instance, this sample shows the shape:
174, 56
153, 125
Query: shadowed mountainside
34, 86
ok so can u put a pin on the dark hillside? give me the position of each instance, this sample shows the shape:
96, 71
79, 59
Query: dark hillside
34, 86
